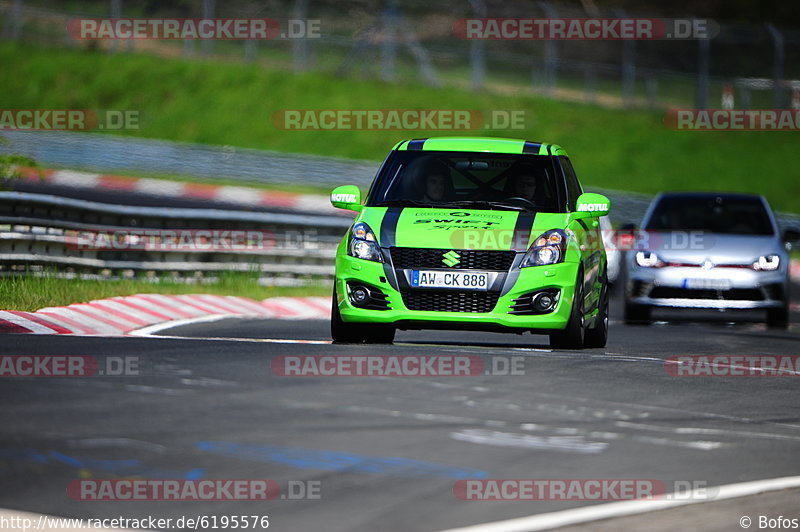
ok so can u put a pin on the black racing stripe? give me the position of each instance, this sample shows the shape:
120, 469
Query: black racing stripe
389, 227
522, 231
387, 240
416, 144
531, 147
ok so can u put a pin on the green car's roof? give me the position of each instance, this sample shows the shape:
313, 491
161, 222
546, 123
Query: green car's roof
484, 144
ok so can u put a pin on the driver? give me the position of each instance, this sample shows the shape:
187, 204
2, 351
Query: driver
524, 184
437, 186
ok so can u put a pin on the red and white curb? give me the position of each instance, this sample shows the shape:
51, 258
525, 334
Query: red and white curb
244, 196
126, 315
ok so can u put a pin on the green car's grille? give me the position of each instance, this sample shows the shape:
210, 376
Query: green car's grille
450, 300
467, 259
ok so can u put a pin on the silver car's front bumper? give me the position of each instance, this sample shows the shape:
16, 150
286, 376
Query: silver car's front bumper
725, 288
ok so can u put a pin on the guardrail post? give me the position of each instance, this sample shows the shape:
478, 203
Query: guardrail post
389, 41
207, 45
477, 50
651, 90
550, 55
300, 46
703, 60
590, 83
116, 12
777, 66
16, 20
628, 67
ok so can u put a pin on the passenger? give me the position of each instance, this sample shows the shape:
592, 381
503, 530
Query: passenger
437, 185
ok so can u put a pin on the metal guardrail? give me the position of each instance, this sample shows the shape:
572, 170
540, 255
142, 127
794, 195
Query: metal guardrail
109, 153
41, 231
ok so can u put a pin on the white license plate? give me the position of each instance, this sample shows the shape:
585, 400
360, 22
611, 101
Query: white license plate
460, 280
707, 284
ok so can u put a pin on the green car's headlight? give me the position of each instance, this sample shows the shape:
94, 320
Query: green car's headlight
363, 244
549, 248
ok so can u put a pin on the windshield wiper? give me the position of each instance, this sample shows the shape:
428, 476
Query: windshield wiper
489, 204
405, 203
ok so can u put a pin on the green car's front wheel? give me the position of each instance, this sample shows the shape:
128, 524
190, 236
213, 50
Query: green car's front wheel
573, 334
357, 333
597, 336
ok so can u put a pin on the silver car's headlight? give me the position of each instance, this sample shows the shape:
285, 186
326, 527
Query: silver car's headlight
549, 248
767, 263
648, 259
363, 244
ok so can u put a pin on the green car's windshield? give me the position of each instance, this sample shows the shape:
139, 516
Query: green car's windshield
468, 180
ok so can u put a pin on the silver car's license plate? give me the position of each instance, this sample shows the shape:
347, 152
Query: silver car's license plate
707, 284
440, 279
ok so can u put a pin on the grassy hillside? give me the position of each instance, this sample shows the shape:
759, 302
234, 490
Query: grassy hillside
233, 104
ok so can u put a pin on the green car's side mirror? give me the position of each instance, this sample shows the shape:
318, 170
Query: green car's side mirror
593, 205
347, 197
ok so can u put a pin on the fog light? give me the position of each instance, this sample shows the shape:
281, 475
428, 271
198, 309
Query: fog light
359, 295
543, 302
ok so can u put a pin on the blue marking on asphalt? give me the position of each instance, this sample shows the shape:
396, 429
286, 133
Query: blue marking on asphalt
338, 461
121, 468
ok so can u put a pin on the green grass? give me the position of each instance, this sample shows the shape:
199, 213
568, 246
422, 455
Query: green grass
226, 103
30, 293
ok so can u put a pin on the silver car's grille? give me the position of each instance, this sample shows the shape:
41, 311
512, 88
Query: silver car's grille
735, 294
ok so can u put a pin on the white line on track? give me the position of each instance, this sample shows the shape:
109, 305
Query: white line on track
152, 329
588, 514
703, 430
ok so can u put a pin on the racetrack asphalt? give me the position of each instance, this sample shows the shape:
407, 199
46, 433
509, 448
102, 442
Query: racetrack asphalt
386, 452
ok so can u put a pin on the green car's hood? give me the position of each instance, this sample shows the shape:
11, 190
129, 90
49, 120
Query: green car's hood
458, 228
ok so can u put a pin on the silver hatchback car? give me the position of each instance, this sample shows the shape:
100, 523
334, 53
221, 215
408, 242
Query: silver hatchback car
707, 250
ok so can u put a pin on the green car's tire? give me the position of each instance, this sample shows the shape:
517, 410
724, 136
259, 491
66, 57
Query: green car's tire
341, 332
572, 336
357, 333
597, 336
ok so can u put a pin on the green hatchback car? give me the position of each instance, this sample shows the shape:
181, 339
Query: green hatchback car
475, 234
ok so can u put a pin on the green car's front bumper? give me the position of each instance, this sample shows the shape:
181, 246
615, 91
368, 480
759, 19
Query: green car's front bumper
561, 276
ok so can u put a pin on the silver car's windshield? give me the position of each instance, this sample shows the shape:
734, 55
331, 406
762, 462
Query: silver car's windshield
735, 215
